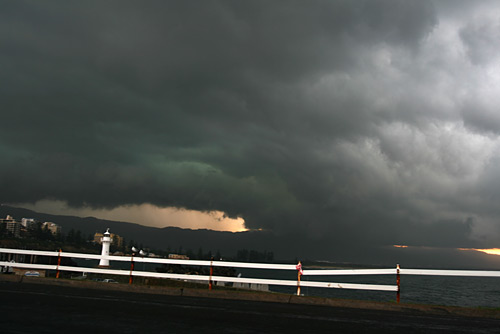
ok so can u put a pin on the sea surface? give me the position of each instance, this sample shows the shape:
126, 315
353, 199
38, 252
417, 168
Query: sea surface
419, 289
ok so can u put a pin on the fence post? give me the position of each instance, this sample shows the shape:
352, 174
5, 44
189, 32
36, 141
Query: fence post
398, 283
58, 262
130, 279
299, 273
211, 273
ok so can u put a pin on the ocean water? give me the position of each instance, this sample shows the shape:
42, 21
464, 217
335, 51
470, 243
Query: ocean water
437, 290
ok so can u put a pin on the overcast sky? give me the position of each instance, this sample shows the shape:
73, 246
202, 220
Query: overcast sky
350, 122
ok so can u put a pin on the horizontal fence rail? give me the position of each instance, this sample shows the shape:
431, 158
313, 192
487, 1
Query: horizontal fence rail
152, 259
436, 272
211, 278
430, 272
333, 272
201, 278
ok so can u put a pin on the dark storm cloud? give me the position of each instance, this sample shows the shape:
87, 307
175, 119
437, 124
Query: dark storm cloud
334, 120
480, 39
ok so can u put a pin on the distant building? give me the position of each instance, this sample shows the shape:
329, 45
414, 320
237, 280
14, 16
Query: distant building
178, 257
28, 222
117, 240
12, 226
52, 227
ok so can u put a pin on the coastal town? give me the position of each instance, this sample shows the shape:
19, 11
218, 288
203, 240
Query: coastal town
21, 228
49, 234
30, 233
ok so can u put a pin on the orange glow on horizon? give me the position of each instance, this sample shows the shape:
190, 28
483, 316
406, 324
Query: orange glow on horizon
400, 246
491, 251
147, 215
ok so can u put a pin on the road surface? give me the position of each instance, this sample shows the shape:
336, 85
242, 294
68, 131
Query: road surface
40, 308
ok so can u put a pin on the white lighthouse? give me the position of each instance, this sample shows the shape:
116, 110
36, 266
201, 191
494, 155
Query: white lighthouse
106, 242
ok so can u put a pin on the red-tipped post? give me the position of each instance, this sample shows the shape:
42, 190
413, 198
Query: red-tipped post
398, 282
210, 283
58, 262
130, 279
299, 274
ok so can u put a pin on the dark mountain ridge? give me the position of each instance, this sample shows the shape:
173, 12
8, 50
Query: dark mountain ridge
228, 243
286, 248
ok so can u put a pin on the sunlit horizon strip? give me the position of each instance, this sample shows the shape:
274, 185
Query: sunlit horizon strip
146, 215
491, 251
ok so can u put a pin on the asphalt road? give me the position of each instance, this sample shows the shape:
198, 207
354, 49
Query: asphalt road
37, 308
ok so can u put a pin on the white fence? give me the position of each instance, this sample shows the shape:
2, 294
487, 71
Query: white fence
209, 279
